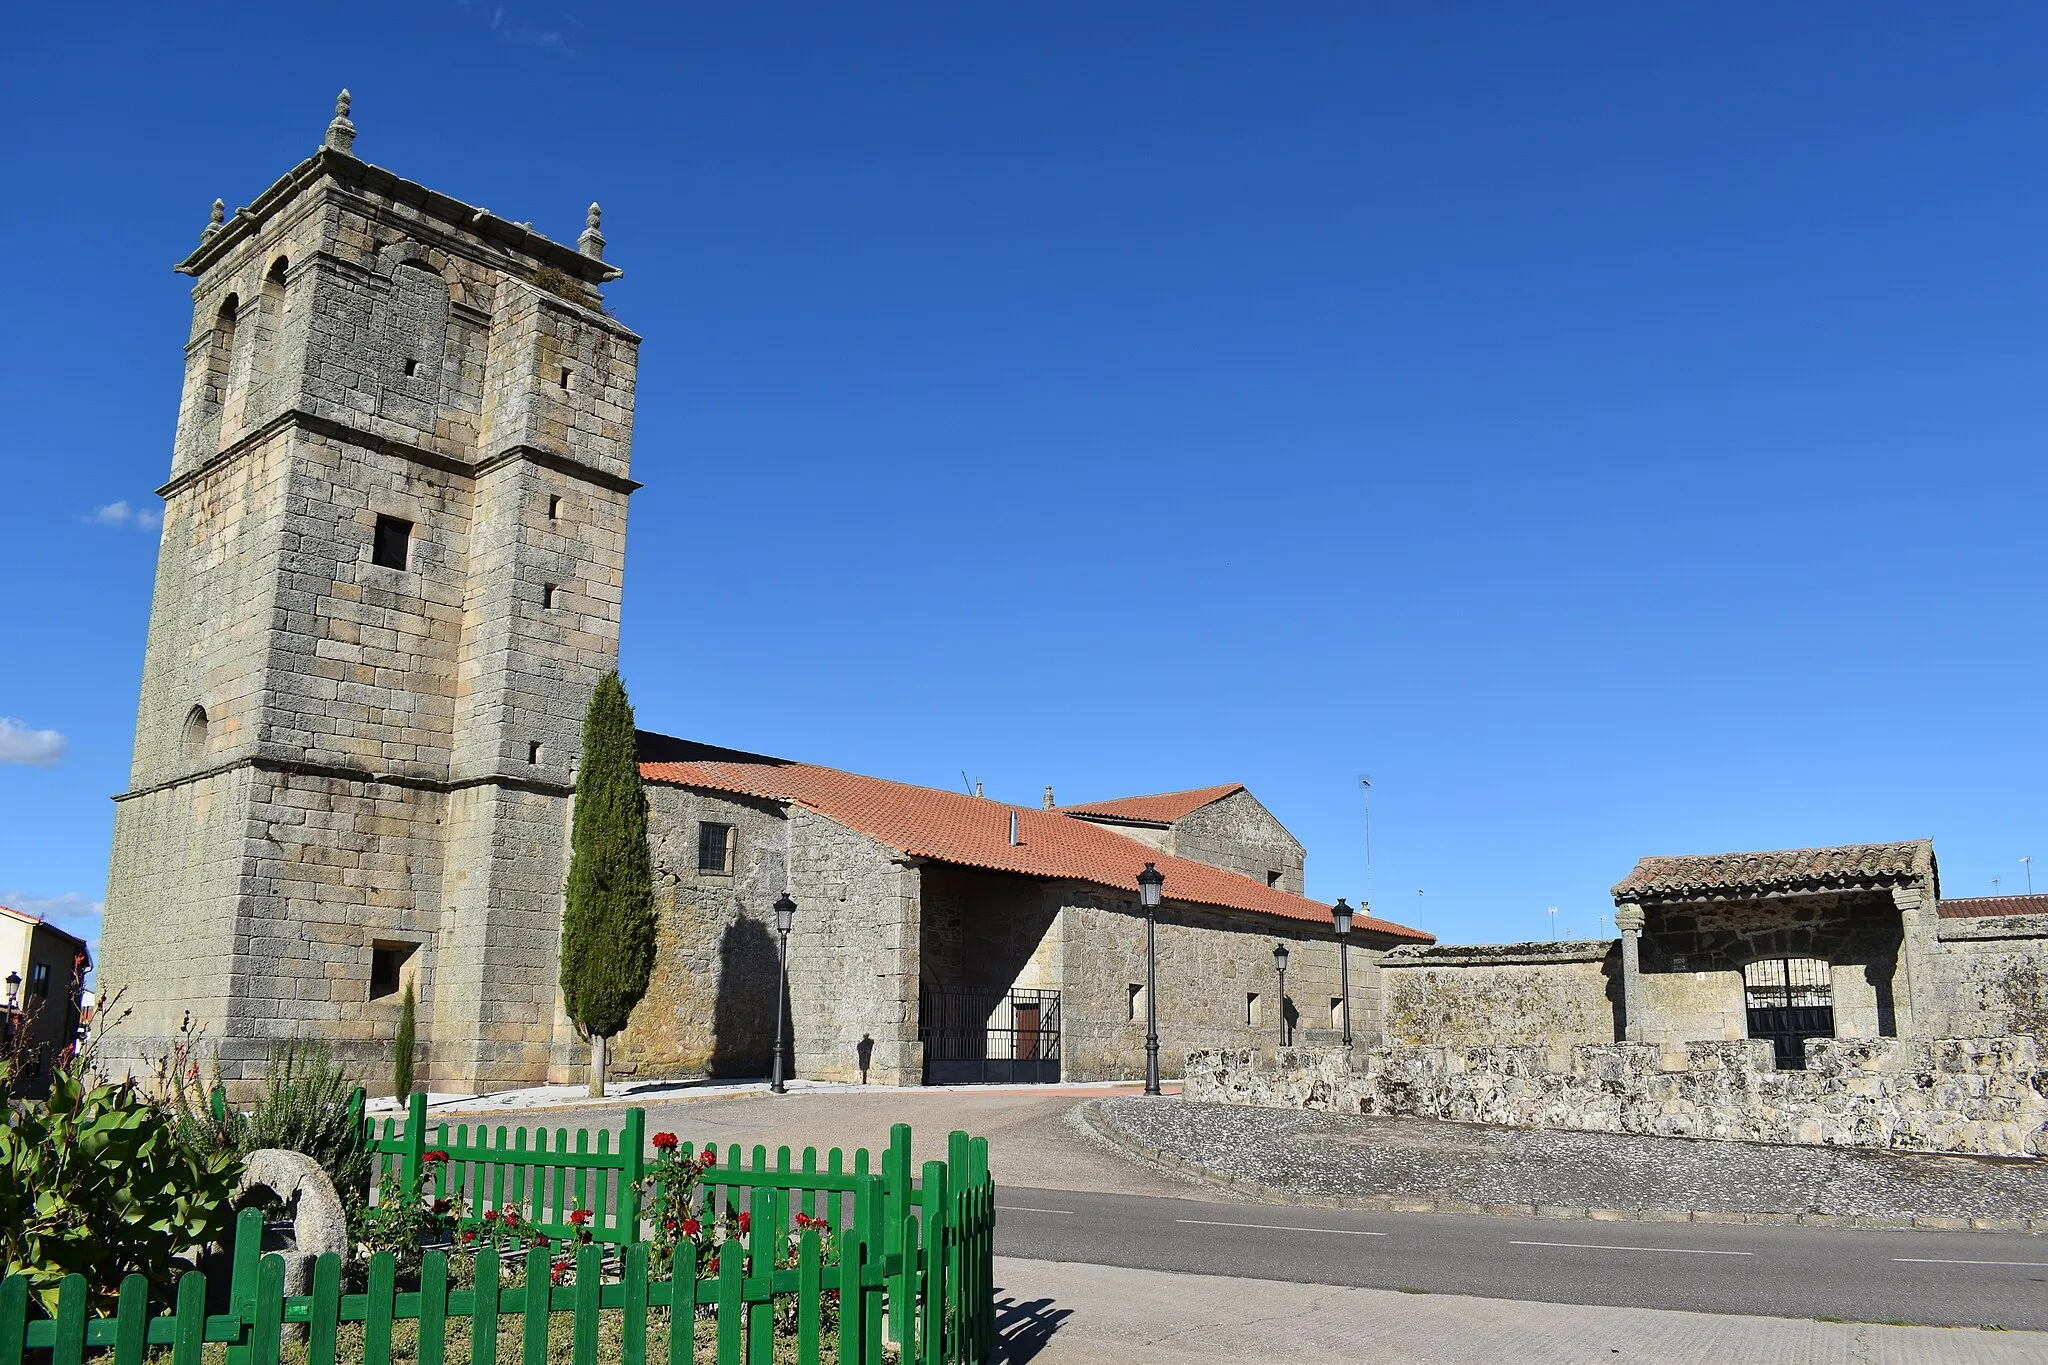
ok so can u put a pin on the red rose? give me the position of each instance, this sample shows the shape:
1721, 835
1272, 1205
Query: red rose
579, 1218
490, 1215
691, 1227
712, 1265
745, 1222
710, 1158
433, 1158
664, 1142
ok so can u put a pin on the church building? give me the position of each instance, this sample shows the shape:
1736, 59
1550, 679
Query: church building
390, 576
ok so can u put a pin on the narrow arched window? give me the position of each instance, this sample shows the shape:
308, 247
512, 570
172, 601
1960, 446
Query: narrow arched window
192, 742
220, 354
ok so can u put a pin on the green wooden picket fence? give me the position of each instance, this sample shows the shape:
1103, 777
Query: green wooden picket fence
910, 1267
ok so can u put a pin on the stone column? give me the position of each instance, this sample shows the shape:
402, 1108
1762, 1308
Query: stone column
1628, 918
1916, 1008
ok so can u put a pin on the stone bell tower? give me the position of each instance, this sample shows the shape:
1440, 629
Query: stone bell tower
393, 553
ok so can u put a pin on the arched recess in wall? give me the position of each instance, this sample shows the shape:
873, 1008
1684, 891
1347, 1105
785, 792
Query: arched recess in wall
270, 306
412, 338
220, 351
192, 739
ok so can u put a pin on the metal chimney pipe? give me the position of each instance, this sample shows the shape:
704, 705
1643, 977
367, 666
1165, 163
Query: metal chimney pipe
1013, 829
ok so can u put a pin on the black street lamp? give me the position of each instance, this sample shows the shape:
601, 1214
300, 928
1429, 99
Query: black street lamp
13, 989
1280, 961
1149, 882
1340, 916
785, 915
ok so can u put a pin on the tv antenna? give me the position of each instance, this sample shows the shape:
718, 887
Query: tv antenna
2028, 860
1553, 923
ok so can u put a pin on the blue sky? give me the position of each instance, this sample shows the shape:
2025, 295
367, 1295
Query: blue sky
1616, 429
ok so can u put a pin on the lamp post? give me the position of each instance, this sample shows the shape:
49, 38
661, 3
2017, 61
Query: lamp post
13, 989
1280, 961
1149, 882
785, 914
1340, 917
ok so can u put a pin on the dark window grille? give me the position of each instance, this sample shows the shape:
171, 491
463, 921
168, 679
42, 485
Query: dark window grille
714, 847
391, 543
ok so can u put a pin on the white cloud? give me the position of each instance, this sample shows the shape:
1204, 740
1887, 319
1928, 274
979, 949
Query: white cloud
121, 514
71, 912
20, 744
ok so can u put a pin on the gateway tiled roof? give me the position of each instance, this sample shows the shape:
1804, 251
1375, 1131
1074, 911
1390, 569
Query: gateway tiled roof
1981, 907
972, 831
1165, 808
1845, 868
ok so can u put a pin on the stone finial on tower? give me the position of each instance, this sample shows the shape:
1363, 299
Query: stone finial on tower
591, 243
1048, 798
213, 223
341, 134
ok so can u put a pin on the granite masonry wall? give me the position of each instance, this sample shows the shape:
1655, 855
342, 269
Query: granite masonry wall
1969, 1096
1991, 975
1562, 995
1240, 835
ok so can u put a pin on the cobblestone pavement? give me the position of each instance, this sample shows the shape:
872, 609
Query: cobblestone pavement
1329, 1155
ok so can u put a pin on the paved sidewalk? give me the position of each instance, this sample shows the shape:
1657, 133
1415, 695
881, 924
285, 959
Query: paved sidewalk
1061, 1313
1470, 1168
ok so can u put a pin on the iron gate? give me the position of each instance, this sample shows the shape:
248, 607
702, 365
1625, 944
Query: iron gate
1003, 1037
1789, 1000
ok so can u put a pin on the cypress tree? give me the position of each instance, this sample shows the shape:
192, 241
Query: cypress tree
608, 923
401, 1056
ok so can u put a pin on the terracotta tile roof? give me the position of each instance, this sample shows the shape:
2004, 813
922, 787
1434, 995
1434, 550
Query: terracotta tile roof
1980, 907
971, 831
1848, 867
1164, 808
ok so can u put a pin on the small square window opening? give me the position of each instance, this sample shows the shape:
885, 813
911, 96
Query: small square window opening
1336, 1012
533, 753
388, 962
714, 847
547, 597
412, 367
1252, 1013
392, 543
565, 377
554, 508
1272, 878
1137, 1004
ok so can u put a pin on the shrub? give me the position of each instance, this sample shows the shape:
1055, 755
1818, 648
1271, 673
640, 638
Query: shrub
95, 1181
306, 1106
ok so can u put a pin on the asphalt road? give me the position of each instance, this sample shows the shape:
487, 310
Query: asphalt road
1855, 1274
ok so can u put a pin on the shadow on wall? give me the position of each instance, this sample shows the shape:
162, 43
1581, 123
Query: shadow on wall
1617, 1001
743, 1014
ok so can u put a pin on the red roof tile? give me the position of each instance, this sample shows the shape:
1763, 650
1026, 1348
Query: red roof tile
1980, 907
972, 831
1165, 808
1848, 866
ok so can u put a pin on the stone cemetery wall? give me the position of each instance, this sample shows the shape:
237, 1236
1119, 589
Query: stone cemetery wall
1969, 1096
1562, 995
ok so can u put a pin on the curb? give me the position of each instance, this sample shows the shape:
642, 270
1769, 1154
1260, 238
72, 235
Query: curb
1099, 1124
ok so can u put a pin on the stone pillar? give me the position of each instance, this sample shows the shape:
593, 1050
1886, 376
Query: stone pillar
1628, 918
1916, 1008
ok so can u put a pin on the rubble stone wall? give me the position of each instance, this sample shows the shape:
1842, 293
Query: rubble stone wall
1964, 1096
